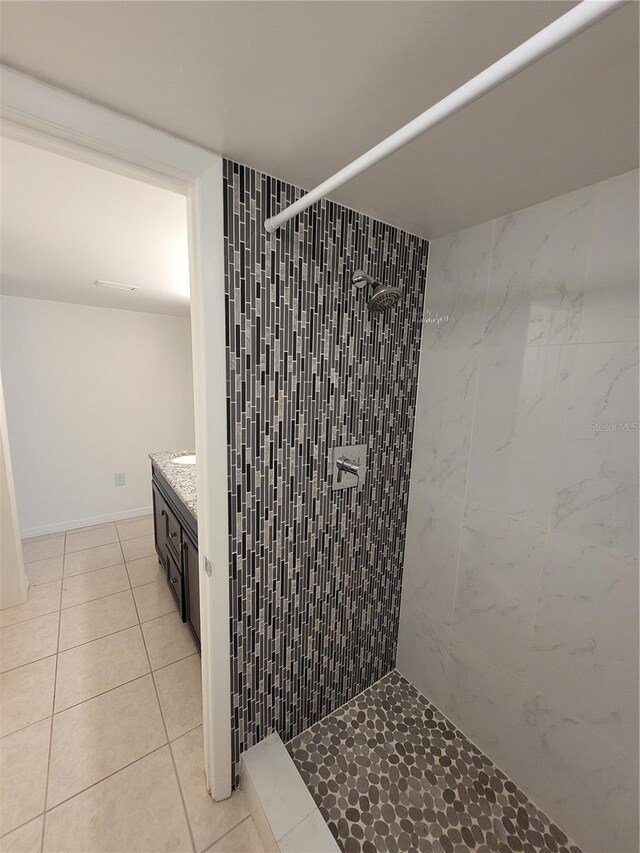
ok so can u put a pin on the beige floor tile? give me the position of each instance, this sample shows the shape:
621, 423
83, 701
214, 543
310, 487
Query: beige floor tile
137, 809
41, 599
96, 619
26, 839
153, 600
135, 549
132, 528
42, 571
92, 740
81, 588
168, 639
93, 668
92, 558
180, 691
146, 570
28, 641
26, 695
91, 538
43, 548
209, 820
243, 839
23, 774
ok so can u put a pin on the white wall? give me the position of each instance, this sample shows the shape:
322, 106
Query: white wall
89, 393
520, 593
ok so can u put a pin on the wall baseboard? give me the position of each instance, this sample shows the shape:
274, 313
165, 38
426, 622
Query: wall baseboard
85, 522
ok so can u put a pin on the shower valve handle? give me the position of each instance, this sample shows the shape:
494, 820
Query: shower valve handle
348, 466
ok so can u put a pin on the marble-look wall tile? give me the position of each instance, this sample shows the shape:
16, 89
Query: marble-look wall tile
484, 699
447, 393
455, 300
538, 269
428, 589
596, 479
431, 552
423, 653
498, 578
518, 422
546, 587
610, 304
584, 783
584, 654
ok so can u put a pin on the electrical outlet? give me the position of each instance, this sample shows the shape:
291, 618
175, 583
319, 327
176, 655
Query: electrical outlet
120, 479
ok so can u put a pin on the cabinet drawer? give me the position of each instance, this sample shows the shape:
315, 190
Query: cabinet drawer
176, 583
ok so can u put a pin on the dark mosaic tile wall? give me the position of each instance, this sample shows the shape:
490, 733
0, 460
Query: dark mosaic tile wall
390, 773
316, 575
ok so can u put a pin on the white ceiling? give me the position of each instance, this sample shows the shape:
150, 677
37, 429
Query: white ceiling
298, 89
64, 224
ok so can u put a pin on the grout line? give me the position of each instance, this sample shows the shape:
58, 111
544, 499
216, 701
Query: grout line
117, 541
166, 731
150, 583
55, 713
28, 663
108, 776
62, 651
16, 828
53, 705
224, 835
167, 665
91, 547
29, 618
122, 562
184, 734
94, 639
103, 692
98, 597
150, 671
28, 725
171, 663
91, 571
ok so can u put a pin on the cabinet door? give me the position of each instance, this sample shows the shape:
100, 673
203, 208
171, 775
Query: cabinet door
160, 525
192, 580
176, 584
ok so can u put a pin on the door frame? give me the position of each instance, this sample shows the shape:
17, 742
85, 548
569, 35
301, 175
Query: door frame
50, 118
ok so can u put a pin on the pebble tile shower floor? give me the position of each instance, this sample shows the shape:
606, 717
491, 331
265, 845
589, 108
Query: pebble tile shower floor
390, 773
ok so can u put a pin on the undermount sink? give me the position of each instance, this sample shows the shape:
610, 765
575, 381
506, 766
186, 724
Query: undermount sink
185, 460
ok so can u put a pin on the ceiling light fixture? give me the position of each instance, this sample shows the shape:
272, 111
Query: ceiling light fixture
116, 285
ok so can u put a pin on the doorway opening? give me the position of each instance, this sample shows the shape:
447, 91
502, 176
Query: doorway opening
50, 122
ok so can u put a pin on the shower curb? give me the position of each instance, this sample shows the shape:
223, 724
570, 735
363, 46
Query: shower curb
283, 810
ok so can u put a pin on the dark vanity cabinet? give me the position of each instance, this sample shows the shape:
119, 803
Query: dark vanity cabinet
176, 539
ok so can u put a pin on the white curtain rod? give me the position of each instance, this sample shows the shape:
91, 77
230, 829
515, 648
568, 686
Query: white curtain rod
580, 18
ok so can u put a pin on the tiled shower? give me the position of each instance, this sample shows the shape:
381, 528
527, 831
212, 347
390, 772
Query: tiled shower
498, 401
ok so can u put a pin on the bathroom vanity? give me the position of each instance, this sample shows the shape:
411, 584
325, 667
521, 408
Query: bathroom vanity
175, 523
